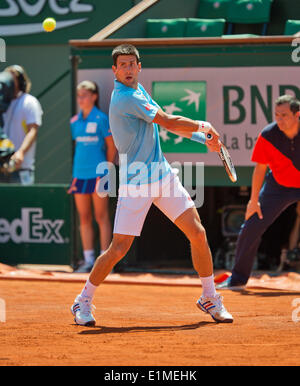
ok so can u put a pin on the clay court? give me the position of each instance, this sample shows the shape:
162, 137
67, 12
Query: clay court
147, 324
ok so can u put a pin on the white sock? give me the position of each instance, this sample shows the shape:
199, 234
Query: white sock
89, 256
208, 286
88, 290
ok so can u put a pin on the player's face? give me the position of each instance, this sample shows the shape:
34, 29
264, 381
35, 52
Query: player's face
85, 99
285, 118
127, 69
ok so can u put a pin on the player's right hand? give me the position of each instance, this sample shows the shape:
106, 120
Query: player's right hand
213, 144
253, 207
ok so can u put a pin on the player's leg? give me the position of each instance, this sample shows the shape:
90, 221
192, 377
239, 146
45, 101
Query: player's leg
180, 209
130, 215
190, 224
83, 204
108, 259
101, 212
82, 306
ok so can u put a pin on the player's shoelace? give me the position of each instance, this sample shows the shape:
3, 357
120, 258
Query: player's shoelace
86, 307
219, 303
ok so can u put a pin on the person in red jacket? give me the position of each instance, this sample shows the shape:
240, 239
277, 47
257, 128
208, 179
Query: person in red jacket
277, 148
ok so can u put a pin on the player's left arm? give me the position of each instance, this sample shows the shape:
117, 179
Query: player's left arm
30, 138
185, 127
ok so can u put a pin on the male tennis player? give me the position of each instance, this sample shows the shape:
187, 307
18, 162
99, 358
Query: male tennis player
277, 147
133, 119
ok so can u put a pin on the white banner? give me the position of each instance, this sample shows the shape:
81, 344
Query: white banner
239, 101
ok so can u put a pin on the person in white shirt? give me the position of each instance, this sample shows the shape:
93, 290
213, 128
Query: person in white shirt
21, 122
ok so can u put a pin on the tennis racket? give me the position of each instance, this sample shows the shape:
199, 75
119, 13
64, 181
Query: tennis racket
226, 159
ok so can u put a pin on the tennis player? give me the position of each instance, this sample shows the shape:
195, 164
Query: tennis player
277, 148
93, 145
134, 117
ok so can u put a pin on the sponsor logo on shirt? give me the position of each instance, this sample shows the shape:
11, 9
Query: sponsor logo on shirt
87, 139
91, 127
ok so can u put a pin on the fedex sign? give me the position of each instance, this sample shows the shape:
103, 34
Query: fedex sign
31, 228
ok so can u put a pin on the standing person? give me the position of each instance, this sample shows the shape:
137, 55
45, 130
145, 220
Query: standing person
94, 145
21, 123
134, 117
277, 147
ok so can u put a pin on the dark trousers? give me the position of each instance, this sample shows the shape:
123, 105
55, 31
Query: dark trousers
274, 199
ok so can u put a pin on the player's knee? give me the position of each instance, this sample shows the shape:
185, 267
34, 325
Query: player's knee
119, 248
198, 235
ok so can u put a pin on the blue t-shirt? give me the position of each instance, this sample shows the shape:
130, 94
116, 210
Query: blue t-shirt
131, 113
90, 149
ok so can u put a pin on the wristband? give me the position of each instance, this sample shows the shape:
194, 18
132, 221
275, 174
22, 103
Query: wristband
198, 137
203, 125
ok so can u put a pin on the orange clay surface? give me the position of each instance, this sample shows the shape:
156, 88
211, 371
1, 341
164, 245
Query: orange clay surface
146, 325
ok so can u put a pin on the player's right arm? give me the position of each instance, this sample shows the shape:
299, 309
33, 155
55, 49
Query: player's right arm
185, 127
257, 181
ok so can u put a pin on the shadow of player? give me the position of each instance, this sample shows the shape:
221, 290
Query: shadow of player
122, 330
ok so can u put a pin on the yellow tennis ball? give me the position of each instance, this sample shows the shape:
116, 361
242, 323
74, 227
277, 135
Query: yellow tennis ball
49, 24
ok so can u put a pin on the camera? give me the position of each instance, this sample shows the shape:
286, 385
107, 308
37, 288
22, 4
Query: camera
7, 149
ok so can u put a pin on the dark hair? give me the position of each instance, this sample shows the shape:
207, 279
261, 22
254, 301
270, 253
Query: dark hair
24, 82
292, 101
92, 87
125, 49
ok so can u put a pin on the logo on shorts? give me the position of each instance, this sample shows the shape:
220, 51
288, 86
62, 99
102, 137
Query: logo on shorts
181, 98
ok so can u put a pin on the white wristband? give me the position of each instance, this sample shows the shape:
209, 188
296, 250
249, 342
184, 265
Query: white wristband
203, 125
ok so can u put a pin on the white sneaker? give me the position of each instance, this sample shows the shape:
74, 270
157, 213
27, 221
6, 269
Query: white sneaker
215, 308
82, 310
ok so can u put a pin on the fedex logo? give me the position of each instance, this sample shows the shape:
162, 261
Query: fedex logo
31, 228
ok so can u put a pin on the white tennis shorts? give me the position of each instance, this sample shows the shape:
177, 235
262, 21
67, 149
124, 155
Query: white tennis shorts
134, 203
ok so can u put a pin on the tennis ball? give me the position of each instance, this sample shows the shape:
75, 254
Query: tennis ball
49, 24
